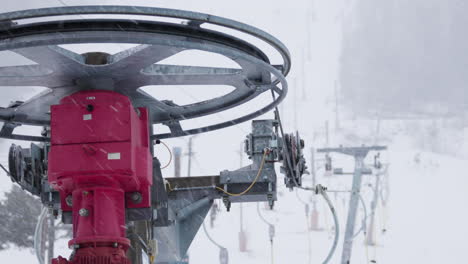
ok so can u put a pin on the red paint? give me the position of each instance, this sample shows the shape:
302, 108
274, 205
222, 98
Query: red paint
99, 155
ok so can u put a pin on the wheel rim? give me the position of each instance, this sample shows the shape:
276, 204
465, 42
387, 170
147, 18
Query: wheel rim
66, 72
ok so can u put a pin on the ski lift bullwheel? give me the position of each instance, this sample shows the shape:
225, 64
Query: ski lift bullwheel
39, 35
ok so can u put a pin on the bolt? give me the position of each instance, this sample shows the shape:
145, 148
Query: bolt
85, 193
116, 244
69, 200
83, 212
136, 197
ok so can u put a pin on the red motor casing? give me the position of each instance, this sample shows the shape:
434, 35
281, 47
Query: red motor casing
100, 162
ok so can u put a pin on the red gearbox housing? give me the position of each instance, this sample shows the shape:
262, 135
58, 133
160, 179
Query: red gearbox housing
100, 162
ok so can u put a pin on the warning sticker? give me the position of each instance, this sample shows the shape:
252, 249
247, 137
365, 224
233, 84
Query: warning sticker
87, 117
113, 156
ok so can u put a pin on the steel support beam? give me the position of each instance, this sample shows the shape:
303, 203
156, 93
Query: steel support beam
352, 210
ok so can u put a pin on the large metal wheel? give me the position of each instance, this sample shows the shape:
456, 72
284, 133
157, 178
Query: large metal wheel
38, 34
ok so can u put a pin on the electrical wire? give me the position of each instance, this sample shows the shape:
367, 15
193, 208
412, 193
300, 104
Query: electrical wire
38, 234
265, 153
170, 155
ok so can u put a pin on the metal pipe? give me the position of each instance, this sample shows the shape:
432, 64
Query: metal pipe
352, 211
337, 227
38, 236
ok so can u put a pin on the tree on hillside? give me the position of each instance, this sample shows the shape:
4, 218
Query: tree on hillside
18, 216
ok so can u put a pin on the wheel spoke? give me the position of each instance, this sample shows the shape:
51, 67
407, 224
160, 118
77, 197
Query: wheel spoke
187, 75
58, 59
24, 71
28, 75
43, 81
137, 58
6, 113
240, 95
163, 111
159, 110
7, 129
175, 127
38, 107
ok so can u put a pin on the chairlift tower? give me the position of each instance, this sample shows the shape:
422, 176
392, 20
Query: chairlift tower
359, 154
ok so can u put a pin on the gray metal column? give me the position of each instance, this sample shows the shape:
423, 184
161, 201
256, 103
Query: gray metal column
352, 210
177, 152
359, 154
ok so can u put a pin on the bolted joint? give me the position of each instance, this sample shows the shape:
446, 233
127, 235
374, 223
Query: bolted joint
83, 212
319, 189
136, 197
227, 203
69, 200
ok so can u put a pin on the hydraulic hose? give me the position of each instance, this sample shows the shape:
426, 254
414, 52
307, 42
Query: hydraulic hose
321, 190
38, 234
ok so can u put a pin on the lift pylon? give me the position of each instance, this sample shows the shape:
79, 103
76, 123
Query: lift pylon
359, 154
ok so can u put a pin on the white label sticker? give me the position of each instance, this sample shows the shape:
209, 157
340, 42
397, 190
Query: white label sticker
87, 117
113, 156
